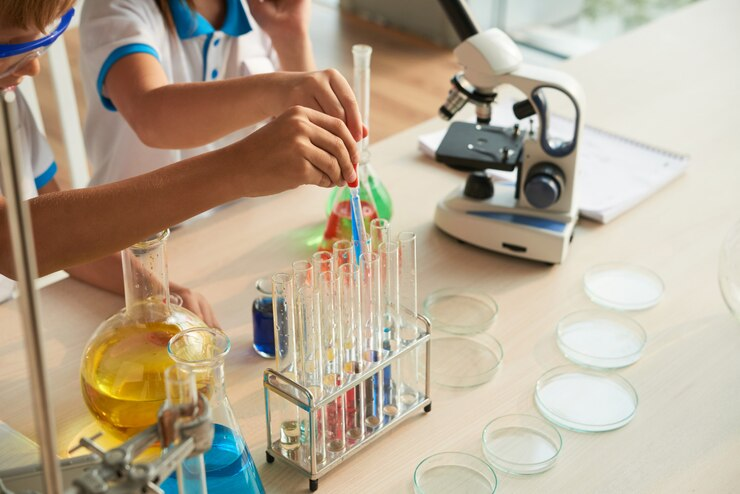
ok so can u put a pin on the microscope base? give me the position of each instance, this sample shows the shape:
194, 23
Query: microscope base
498, 225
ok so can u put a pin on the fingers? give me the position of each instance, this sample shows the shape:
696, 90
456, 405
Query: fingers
332, 136
198, 305
346, 98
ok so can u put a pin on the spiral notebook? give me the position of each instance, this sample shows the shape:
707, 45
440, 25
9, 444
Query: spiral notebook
614, 173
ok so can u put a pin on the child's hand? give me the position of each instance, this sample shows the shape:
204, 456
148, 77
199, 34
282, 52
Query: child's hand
282, 19
301, 146
326, 91
197, 304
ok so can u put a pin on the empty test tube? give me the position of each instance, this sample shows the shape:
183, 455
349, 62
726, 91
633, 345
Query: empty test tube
322, 261
380, 230
286, 358
409, 381
343, 253
370, 302
309, 332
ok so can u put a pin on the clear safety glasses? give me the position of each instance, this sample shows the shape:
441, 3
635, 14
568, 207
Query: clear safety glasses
15, 55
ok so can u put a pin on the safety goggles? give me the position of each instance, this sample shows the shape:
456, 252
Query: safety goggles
16, 55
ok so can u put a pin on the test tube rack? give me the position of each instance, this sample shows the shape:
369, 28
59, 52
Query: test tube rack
306, 458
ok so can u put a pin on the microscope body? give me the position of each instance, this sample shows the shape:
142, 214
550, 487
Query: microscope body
534, 216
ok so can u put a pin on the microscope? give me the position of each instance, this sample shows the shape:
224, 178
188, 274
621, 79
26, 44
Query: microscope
532, 217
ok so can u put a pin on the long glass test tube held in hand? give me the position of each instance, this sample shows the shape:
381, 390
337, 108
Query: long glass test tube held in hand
180, 389
370, 320
348, 304
287, 362
409, 382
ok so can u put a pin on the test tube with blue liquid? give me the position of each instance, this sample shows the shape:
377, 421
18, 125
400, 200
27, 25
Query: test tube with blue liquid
370, 319
388, 253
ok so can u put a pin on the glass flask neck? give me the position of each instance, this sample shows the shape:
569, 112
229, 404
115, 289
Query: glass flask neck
145, 277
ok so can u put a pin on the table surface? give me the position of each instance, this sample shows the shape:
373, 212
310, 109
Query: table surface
671, 84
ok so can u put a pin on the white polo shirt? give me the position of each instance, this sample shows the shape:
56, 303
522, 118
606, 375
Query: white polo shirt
112, 29
37, 165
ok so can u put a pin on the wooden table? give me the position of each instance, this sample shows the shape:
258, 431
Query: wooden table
672, 84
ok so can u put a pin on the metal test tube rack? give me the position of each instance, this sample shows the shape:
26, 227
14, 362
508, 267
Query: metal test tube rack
305, 459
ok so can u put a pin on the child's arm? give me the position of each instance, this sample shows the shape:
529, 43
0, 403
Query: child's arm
72, 227
180, 116
286, 22
107, 274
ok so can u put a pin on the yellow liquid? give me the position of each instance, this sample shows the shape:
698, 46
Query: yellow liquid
123, 377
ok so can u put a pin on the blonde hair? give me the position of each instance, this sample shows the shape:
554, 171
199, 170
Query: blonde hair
164, 7
39, 14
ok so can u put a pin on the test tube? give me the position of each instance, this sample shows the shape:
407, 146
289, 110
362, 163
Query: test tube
309, 331
408, 311
328, 319
286, 357
348, 303
380, 230
343, 253
361, 55
322, 261
180, 389
370, 302
388, 251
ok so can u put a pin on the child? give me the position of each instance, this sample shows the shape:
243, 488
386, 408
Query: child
170, 79
78, 226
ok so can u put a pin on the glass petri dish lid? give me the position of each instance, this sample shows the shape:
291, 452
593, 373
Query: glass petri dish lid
585, 400
461, 361
623, 286
461, 473
521, 444
601, 339
460, 311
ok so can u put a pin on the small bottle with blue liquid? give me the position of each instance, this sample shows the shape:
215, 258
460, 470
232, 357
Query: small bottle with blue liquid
262, 320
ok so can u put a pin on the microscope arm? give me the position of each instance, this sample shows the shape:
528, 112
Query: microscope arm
459, 16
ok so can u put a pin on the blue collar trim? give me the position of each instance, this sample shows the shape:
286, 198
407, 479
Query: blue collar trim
190, 24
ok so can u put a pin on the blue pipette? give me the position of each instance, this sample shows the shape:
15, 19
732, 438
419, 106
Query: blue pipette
359, 235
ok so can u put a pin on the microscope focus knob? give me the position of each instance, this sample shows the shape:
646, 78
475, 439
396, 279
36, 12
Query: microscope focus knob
544, 185
478, 186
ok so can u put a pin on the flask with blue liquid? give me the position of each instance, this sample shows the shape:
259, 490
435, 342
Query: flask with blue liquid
229, 466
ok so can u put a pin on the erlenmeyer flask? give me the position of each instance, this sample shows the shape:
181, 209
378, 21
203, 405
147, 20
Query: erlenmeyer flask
124, 361
229, 465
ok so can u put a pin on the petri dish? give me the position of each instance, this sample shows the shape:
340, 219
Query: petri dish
461, 361
460, 311
585, 400
460, 473
601, 339
623, 286
521, 444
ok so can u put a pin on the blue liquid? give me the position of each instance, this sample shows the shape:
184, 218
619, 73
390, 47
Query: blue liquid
264, 330
229, 467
